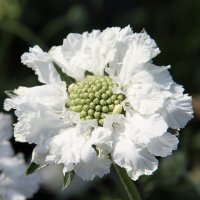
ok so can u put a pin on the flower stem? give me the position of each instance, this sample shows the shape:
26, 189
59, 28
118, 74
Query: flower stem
127, 183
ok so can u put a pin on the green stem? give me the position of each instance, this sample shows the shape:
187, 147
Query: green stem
20, 30
127, 183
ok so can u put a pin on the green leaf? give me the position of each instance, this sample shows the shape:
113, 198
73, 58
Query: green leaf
64, 77
127, 183
33, 167
10, 93
67, 179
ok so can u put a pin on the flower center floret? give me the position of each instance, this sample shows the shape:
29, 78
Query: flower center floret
93, 98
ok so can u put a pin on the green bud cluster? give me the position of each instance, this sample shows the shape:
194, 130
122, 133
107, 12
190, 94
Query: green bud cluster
93, 98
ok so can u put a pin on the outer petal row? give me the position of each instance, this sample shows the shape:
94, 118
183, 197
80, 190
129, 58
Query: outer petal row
42, 64
81, 153
136, 160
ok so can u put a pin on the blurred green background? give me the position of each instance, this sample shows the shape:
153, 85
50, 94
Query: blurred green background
175, 26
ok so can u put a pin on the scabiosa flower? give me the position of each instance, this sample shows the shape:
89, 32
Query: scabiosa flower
14, 185
102, 100
5, 135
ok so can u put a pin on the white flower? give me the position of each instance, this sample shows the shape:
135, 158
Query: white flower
135, 159
177, 108
80, 53
143, 129
39, 109
120, 106
5, 134
14, 184
81, 155
163, 145
5, 149
42, 64
5, 127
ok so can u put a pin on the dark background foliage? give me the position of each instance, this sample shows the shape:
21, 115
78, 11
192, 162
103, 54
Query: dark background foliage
174, 24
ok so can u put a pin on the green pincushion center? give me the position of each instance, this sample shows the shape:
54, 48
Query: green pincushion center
93, 98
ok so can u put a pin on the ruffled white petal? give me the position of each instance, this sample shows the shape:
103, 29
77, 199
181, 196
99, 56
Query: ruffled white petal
39, 110
68, 168
141, 50
163, 145
135, 159
77, 53
53, 97
115, 122
145, 164
37, 126
102, 139
91, 165
65, 147
145, 98
179, 112
177, 109
40, 152
42, 64
142, 129
114, 43
154, 75
92, 51
85, 127
70, 118
58, 56
74, 148
145, 93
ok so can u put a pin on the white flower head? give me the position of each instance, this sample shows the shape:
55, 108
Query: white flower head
14, 184
5, 127
5, 134
81, 143
103, 99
